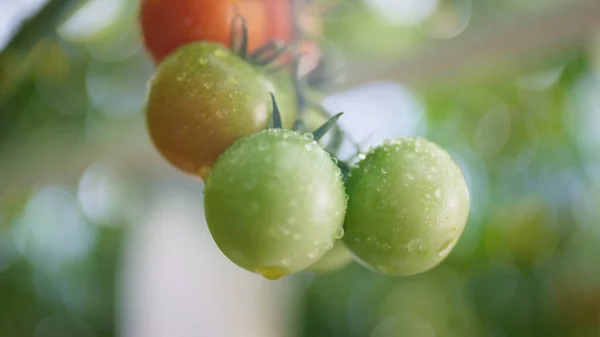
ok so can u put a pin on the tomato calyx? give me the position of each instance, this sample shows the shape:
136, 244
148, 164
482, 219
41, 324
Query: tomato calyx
261, 57
276, 116
317, 134
323, 129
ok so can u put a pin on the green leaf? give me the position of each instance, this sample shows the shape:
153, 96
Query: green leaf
323, 129
276, 117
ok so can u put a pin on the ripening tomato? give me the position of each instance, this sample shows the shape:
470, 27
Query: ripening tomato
168, 24
275, 202
203, 97
408, 207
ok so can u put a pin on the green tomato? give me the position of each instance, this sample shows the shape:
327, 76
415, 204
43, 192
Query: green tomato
408, 207
203, 97
275, 202
335, 259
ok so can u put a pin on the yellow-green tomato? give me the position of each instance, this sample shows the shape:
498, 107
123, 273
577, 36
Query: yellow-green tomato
275, 202
335, 259
203, 97
408, 206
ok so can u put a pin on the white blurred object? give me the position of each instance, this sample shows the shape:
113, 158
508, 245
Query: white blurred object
178, 284
376, 112
93, 17
404, 12
12, 13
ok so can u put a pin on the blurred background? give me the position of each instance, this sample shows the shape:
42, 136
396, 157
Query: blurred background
100, 237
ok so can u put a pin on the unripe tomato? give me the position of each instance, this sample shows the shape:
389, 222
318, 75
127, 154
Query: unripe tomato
275, 202
169, 24
203, 97
335, 259
408, 207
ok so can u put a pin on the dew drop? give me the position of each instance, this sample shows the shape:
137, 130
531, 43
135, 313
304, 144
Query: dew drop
386, 247
371, 241
312, 255
335, 160
362, 156
329, 245
339, 234
203, 60
272, 272
439, 193
411, 175
415, 245
309, 147
384, 170
309, 136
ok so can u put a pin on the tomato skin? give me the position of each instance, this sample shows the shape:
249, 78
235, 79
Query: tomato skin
275, 202
335, 259
202, 98
168, 24
408, 207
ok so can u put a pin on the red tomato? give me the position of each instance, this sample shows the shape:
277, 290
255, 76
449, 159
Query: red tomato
168, 24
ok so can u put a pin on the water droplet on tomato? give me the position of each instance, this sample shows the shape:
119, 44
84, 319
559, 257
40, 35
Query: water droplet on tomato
272, 272
415, 246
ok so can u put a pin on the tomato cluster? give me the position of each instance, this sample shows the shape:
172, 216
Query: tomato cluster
277, 201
